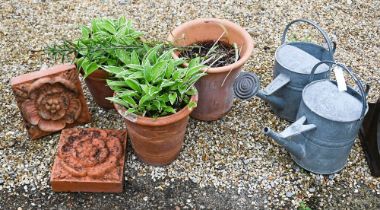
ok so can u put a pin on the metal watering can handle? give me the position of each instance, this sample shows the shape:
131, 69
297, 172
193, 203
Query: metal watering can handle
331, 46
353, 76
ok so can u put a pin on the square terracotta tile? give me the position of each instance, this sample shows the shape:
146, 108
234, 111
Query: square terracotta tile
89, 160
50, 100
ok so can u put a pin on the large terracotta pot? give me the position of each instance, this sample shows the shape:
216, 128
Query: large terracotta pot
216, 88
157, 141
96, 83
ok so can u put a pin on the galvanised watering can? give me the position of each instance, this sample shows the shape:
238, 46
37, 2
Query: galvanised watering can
320, 140
293, 64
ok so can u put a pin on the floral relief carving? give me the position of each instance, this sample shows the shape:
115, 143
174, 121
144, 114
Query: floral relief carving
92, 153
51, 103
50, 100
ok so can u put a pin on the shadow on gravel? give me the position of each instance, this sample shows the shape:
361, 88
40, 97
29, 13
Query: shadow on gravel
138, 194
143, 193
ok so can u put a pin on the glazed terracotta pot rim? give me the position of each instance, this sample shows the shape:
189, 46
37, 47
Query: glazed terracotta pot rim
247, 41
160, 121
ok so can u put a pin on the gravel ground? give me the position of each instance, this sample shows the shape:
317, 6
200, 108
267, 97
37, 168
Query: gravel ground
224, 164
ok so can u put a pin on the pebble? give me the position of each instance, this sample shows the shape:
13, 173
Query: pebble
289, 194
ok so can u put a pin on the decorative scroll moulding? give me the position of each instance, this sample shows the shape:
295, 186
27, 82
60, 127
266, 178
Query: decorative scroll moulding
89, 160
50, 100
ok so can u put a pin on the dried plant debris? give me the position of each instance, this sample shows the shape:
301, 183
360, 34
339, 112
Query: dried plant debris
213, 53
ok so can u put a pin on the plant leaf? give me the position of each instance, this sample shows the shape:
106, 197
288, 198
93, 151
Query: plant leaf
133, 84
108, 25
89, 69
113, 69
169, 69
85, 32
172, 98
169, 109
167, 83
123, 56
119, 101
135, 58
192, 104
128, 99
194, 62
144, 99
94, 25
158, 70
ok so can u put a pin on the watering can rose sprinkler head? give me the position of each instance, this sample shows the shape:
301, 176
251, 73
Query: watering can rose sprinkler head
247, 85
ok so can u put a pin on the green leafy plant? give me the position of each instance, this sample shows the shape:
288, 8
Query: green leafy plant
104, 42
155, 86
303, 206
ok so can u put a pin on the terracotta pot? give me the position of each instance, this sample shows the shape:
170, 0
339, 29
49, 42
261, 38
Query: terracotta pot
96, 83
157, 141
215, 89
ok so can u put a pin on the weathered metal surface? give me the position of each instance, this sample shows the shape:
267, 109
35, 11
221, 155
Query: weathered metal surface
293, 64
332, 118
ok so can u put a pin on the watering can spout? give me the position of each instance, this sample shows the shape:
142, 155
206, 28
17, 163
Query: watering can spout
267, 94
274, 100
296, 148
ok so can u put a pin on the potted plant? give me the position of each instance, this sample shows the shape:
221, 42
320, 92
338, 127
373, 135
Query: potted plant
225, 47
104, 42
155, 95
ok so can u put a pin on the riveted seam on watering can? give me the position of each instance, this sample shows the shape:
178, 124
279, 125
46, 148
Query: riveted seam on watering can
330, 138
294, 87
326, 143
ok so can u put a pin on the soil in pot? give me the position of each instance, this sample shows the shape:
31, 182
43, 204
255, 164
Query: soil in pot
215, 53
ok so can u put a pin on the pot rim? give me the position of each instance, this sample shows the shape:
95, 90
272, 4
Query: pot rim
247, 41
160, 121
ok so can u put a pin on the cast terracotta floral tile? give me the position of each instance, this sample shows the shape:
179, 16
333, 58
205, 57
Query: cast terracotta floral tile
89, 160
50, 100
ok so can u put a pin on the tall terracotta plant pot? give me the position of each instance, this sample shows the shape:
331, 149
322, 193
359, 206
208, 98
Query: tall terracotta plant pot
215, 89
157, 141
96, 83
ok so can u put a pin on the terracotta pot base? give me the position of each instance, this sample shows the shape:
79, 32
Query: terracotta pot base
89, 160
157, 141
210, 117
156, 161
